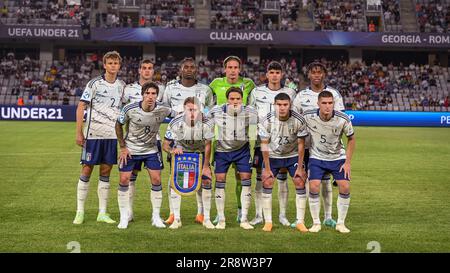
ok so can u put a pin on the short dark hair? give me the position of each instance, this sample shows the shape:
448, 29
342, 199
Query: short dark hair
148, 85
274, 65
192, 100
185, 60
317, 64
230, 58
282, 96
235, 90
325, 94
145, 61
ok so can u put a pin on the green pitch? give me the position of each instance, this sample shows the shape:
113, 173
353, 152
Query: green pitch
400, 199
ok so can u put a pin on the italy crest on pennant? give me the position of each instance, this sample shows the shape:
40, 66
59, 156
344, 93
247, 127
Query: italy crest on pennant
186, 173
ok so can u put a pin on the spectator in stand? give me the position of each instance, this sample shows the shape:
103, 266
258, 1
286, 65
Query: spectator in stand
372, 26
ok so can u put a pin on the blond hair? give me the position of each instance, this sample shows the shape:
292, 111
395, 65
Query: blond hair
112, 55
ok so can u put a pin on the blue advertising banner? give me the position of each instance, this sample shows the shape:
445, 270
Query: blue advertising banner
359, 118
41, 32
396, 118
41, 112
222, 37
288, 38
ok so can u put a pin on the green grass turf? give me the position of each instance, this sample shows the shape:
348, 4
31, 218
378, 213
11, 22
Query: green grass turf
400, 198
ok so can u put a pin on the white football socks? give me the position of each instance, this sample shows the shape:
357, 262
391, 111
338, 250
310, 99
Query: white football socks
314, 207
156, 200
300, 203
199, 201
258, 196
206, 199
123, 199
327, 195
267, 204
103, 193
283, 193
220, 200
176, 204
246, 199
82, 192
343, 203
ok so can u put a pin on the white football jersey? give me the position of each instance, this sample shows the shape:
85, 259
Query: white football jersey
142, 127
282, 135
326, 142
307, 99
190, 138
232, 127
104, 103
262, 98
175, 94
133, 91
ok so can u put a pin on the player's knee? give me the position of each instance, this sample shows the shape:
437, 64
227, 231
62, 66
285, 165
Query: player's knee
344, 187
86, 170
156, 180
124, 181
314, 186
220, 176
245, 176
268, 183
105, 170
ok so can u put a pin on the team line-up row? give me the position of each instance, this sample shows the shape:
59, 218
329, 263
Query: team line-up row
298, 133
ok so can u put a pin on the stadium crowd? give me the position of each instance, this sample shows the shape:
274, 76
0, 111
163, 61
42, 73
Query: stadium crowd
391, 14
236, 15
349, 15
363, 86
42, 12
433, 15
337, 15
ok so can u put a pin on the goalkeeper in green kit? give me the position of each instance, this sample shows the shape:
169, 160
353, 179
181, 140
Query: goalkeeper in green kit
232, 67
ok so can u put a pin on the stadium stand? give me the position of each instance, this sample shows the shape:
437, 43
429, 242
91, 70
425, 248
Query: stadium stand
391, 16
338, 15
433, 15
408, 86
364, 87
43, 83
164, 13
236, 15
42, 12
392, 88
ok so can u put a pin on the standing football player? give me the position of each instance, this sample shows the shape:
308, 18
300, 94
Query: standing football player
306, 100
101, 100
140, 146
174, 97
191, 132
262, 99
232, 66
233, 147
281, 133
328, 155
133, 93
